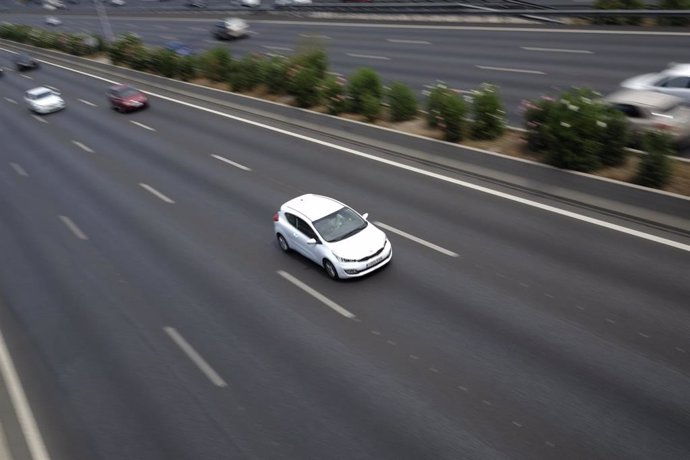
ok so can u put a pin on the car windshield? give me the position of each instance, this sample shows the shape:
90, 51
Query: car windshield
43, 94
128, 92
340, 225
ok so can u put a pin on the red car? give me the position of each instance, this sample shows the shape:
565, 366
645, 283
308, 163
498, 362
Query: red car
124, 98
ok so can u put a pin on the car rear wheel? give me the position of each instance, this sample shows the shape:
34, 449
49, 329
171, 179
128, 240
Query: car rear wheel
330, 269
283, 243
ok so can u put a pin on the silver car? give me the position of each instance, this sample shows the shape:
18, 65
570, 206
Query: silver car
674, 80
44, 100
653, 111
332, 235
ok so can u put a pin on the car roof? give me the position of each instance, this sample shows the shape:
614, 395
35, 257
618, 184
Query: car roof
38, 90
679, 69
650, 99
313, 207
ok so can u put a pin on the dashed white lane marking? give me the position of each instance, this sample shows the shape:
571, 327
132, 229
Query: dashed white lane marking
73, 228
550, 296
84, 147
508, 69
501, 275
460, 387
368, 56
486, 402
517, 424
524, 285
609, 320
317, 295
41, 119
277, 48
197, 29
680, 350
414, 357
84, 101
195, 357
230, 162
580, 307
375, 332
550, 444
322, 37
417, 240
19, 170
10, 100
142, 125
391, 342
157, 193
28, 77
437, 176
408, 42
642, 334
556, 50
161, 27
434, 370
25, 415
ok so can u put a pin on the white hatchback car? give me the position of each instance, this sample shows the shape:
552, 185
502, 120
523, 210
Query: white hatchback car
332, 235
44, 100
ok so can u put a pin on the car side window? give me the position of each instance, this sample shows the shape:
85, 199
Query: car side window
677, 82
305, 228
629, 110
292, 219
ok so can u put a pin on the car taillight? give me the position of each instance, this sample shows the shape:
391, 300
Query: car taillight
665, 127
275, 217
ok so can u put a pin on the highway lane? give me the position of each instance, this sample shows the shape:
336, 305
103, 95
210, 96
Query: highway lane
523, 62
505, 351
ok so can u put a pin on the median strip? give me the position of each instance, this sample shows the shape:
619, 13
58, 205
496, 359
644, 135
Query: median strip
317, 295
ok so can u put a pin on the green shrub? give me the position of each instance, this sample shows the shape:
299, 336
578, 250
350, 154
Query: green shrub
371, 107
310, 53
452, 113
364, 81
120, 50
186, 68
402, 101
576, 131
434, 102
139, 58
655, 169
618, 5
275, 73
245, 74
304, 85
216, 64
165, 62
489, 116
334, 94
674, 5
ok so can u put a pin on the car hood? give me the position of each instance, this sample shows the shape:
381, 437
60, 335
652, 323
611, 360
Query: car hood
640, 81
49, 100
361, 245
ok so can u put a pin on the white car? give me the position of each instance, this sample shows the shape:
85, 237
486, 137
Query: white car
250, 3
118, 2
292, 2
53, 21
44, 100
332, 235
674, 80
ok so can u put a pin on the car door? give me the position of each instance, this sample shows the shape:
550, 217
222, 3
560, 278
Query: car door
300, 233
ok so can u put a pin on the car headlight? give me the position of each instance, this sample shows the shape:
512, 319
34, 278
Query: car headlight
343, 259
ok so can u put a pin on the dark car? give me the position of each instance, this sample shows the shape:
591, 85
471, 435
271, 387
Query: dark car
25, 61
124, 98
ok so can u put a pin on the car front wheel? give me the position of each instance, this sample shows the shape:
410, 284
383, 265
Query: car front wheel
283, 243
330, 269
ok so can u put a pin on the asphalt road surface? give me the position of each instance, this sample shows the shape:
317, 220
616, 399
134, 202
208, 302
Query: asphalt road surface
525, 62
153, 316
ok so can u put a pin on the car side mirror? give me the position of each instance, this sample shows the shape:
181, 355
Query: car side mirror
311, 241
365, 216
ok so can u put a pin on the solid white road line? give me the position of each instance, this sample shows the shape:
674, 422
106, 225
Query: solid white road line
556, 50
19, 170
423, 172
508, 69
73, 228
41, 119
142, 125
87, 102
317, 295
322, 37
28, 77
368, 56
157, 193
277, 48
4, 448
10, 100
195, 357
86, 148
27, 422
417, 240
408, 42
230, 162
